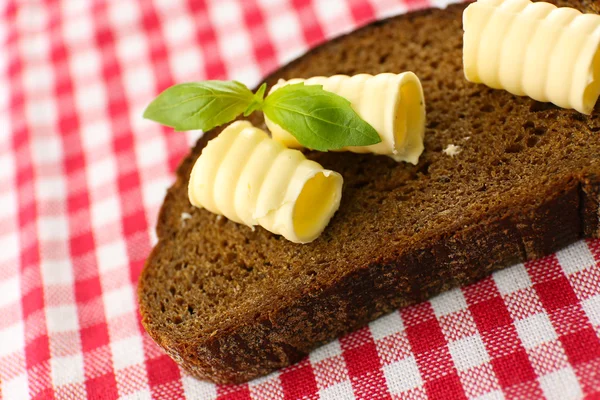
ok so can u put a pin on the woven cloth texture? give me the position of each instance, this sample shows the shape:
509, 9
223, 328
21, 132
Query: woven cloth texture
82, 177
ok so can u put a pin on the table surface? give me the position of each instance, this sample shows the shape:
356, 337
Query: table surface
82, 176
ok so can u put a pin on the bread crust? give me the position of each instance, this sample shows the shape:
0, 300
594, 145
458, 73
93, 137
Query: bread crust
569, 213
567, 210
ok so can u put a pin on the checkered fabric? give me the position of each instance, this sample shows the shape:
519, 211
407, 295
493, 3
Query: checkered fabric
82, 176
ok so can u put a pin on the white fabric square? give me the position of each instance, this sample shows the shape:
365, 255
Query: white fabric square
326, 351
118, 302
196, 389
179, 29
71, 9
132, 49
139, 81
226, 14
512, 279
40, 109
255, 383
38, 78
468, 352
8, 204
105, 211
47, 149
386, 325
10, 291
591, 307
112, 255
535, 330
333, 11
235, 44
84, 64
34, 47
154, 192
127, 352
186, 64
91, 97
12, 339
4, 100
123, 14
402, 375
56, 272
31, 18
139, 395
448, 302
50, 188
249, 75
192, 136
334, 15
15, 388
561, 385
53, 228
62, 318
10, 248
342, 390
495, 395
443, 3
168, 5
101, 172
142, 128
7, 162
151, 151
283, 26
386, 9
78, 29
269, 4
284, 29
152, 232
95, 135
66, 370
4, 29
575, 257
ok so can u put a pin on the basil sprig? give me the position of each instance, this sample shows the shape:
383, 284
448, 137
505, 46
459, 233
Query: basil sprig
318, 119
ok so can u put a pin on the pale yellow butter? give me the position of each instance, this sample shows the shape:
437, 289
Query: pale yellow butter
392, 103
534, 49
254, 180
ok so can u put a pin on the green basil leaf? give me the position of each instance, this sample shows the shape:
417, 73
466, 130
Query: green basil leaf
257, 101
199, 105
319, 120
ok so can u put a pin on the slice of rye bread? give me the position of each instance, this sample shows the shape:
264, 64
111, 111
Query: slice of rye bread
231, 304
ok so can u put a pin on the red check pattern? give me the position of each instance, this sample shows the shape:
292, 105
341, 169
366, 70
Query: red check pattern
82, 177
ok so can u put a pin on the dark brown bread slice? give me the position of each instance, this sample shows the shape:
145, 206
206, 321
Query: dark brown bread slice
230, 304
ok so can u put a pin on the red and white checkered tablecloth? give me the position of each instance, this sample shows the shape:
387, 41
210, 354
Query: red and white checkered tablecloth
82, 176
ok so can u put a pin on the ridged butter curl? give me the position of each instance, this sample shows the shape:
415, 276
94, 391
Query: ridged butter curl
392, 103
534, 49
252, 179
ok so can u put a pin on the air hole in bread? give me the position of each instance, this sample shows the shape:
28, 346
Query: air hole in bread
488, 108
537, 106
532, 141
245, 267
424, 168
